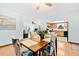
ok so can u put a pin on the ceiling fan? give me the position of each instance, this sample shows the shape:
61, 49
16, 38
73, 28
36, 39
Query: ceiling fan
47, 4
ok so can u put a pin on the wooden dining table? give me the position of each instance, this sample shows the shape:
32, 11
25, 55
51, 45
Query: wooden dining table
35, 47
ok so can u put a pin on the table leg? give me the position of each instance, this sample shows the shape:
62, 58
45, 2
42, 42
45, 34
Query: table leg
39, 53
35, 53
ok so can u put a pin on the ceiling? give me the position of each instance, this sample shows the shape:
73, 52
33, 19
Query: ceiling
29, 12
30, 7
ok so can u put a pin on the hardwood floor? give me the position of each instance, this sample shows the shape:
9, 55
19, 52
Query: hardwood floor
63, 49
7, 51
66, 49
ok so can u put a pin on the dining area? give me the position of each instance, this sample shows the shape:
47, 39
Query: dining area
29, 29
35, 46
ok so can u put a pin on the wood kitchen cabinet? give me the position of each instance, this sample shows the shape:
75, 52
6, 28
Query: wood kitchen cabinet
60, 33
55, 26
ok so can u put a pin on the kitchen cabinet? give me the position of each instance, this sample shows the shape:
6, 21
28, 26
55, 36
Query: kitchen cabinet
59, 27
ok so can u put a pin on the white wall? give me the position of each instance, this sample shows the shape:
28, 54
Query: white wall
28, 12
59, 11
7, 35
73, 27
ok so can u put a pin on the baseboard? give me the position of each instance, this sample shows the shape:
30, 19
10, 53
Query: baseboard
73, 43
5, 45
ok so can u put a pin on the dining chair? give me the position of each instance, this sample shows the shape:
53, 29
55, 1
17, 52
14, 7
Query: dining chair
17, 48
46, 50
51, 48
27, 53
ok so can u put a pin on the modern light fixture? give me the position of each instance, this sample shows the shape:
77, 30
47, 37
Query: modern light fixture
48, 4
39, 5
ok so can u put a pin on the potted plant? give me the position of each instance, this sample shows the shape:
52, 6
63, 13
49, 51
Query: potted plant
40, 32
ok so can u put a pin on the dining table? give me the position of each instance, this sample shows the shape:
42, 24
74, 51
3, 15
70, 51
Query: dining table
34, 46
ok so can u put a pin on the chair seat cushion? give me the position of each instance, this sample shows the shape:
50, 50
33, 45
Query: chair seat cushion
27, 53
47, 48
